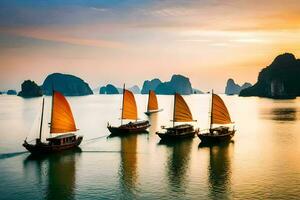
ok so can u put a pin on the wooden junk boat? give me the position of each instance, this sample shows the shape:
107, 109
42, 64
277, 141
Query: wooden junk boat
129, 112
181, 113
152, 103
220, 117
63, 123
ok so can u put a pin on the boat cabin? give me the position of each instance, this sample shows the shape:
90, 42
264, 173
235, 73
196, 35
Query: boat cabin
135, 124
180, 129
62, 139
219, 130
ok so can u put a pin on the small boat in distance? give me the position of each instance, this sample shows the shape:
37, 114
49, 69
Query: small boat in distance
62, 122
181, 113
129, 112
152, 103
219, 116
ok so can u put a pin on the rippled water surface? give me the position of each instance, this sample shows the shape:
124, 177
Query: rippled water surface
262, 162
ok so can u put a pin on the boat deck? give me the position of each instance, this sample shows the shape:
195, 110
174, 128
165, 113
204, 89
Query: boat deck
61, 136
182, 126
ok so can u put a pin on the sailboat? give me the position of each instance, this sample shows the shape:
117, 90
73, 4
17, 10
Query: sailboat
181, 113
221, 117
129, 112
152, 103
63, 123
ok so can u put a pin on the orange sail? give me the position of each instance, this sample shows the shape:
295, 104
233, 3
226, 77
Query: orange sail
62, 119
152, 101
129, 106
182, 112
219, 112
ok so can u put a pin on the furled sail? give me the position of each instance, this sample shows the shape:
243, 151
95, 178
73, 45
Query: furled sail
219, 112
152, 101
129, 106
182, 112
62, 119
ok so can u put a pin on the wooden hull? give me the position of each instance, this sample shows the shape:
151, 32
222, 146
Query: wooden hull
44, 148
126, 130
172, 137
153, 111
210, 138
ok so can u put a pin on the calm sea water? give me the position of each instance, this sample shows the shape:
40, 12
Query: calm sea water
263, 161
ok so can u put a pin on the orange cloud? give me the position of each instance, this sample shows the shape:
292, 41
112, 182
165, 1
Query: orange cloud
57, 36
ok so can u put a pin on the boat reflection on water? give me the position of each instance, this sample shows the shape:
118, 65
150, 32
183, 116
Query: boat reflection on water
219, 176
128, 166
284, 114
60, 172
153, 119
178, 164
280, 114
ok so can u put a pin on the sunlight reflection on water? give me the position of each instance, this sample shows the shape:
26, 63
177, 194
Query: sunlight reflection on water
262, 162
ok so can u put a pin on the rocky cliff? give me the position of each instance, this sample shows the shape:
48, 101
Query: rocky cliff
233, 88
178, 83
67, 84
109, 89
278, 80
30, 89
150, 85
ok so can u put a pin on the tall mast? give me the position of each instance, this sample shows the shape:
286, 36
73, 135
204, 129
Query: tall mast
41, 126
52, 105
122, 104
211, 107
148, 100
174, 110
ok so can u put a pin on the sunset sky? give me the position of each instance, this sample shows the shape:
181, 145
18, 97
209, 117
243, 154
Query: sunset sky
119, 41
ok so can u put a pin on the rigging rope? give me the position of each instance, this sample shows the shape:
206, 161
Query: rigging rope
89, 141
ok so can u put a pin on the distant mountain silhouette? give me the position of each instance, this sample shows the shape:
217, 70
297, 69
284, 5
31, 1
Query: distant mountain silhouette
109, 89
102, 90
135, 89
278, 80
150, 85
120, 90
11, 92
233, 88
67, 84
30, 89
178, 83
